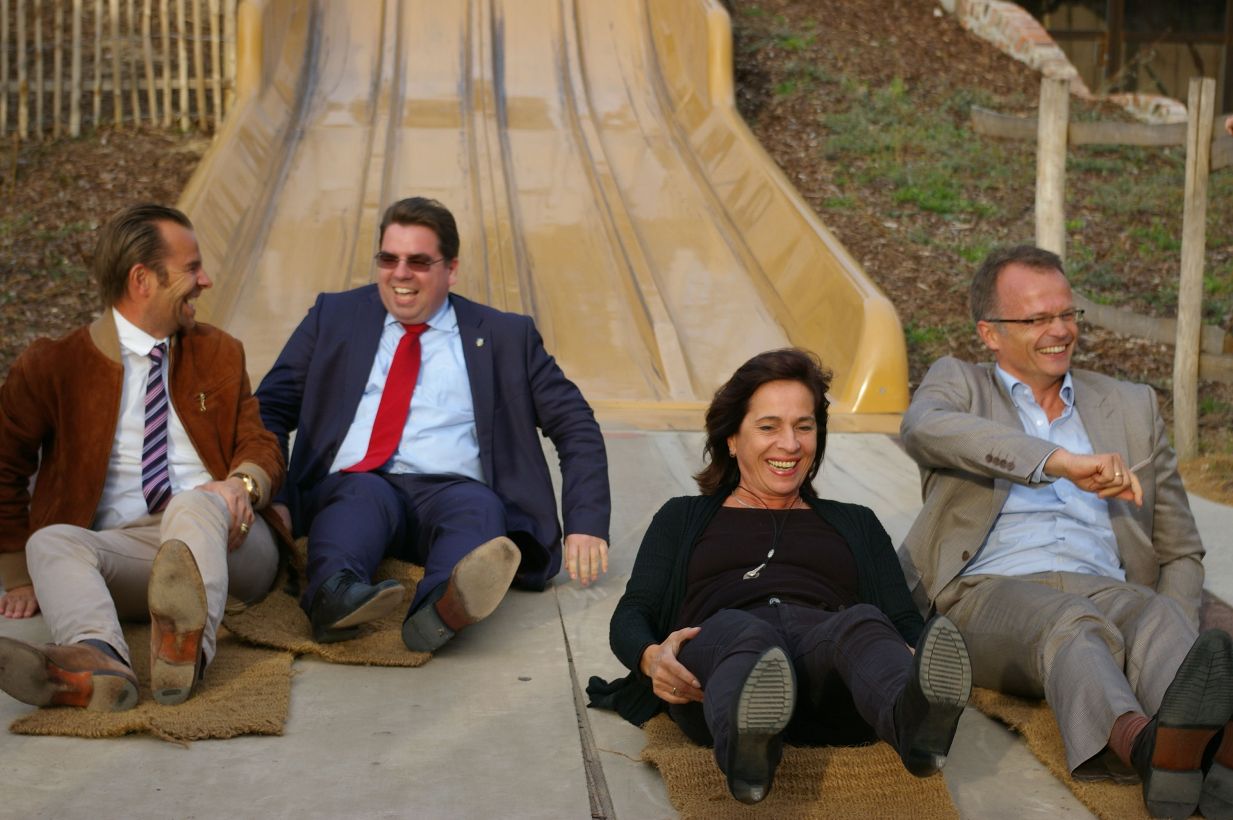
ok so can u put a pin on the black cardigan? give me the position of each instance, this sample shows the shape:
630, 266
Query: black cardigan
656, 589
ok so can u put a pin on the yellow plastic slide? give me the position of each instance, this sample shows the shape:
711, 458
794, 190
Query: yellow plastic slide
602, 180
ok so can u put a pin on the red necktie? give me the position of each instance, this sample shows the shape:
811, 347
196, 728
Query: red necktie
395, 402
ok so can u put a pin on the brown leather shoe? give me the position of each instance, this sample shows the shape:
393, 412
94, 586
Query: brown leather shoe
66, 675
177, 623
475, 588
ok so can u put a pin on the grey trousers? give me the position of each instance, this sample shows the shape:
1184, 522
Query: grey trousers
87, 581
1095, 648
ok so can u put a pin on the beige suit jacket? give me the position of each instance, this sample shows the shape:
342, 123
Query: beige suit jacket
964, 433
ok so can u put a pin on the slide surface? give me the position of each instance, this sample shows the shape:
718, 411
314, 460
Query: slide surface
602, 182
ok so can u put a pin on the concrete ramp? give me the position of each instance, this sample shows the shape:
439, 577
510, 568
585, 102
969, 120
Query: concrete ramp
601, 178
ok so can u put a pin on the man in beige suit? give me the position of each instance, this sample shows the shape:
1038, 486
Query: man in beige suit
1057, 535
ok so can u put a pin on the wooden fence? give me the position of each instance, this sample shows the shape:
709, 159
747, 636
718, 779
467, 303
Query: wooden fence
68, 65
1199, 351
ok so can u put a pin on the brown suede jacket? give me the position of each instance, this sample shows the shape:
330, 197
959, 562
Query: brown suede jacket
62, 400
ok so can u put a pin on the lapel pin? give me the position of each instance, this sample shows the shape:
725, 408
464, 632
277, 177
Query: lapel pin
479, 342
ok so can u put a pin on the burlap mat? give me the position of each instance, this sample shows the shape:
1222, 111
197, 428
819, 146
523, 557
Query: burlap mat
863, 782
246, 691
279, 622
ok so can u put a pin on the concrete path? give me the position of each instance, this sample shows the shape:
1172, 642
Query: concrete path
490, 728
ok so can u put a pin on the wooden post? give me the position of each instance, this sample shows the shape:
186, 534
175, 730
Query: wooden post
57, 69
39, 120
75, 74
199, 66
216, 68
4, 68
229, 53
147, 55
1200, 107
130, 34
1052, 125
164, 30
182, 57
98, 62
23, 83
117, 98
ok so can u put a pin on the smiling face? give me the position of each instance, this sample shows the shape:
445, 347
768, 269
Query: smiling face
412, 297
1037, 356
168, 303
777, 441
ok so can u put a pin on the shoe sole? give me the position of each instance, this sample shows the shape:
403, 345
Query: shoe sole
31, 677
763, 710
177, 623
1199, 703
385, 602
945, 677
475, 589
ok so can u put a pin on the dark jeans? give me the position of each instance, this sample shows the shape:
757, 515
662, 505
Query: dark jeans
851, 667
359, 518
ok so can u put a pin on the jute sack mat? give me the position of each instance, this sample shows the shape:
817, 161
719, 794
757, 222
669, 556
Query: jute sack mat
279, 622
836, 782
1033, 719
246, 691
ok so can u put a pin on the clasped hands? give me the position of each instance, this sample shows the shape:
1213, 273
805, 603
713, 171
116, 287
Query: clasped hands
670, 680
1105, 474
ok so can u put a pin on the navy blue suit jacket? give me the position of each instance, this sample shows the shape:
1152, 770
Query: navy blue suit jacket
315, 387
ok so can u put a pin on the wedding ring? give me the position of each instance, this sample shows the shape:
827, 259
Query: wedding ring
674, 691
243, 528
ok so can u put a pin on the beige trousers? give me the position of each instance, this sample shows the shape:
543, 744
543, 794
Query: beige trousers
87, 581
1093, 647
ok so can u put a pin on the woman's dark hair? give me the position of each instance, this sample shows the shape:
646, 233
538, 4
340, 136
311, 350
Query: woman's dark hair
731, 403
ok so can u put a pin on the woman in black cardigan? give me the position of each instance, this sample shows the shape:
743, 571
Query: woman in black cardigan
789, 611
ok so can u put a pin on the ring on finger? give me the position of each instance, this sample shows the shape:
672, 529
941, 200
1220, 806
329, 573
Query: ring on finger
243, 527
674, 691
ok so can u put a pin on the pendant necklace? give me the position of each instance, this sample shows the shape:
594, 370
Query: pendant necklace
777, 525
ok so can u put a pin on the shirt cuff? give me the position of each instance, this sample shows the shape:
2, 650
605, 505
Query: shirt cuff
1038, 475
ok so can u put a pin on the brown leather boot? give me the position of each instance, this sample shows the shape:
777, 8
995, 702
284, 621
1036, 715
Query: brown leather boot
66, 675
177, 623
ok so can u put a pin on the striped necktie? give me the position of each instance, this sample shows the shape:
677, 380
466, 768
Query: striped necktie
155, 471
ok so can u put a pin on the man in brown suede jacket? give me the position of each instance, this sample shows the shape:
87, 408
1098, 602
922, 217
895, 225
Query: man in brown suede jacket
150, 458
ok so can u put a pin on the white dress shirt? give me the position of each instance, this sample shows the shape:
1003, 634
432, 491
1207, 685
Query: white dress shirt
122, 500
439, 436
1050, 525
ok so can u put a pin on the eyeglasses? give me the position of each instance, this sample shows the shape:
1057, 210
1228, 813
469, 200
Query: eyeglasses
419, 264
1070, 317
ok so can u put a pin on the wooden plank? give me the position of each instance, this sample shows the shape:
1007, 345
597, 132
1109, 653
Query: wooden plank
147, 58
164, 29
199, 67
1051, 165
1019, 127
228, 54
23, 83
75, 75
4, 68
1201, 107
1160, 329
182, 59
130, 35
1222, 149
117, 96
57, 69
98, 62
1216, 368
216, 67
39, 87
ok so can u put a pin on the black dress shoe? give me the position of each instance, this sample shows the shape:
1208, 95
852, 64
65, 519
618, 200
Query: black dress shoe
344, 602
927, 712
760, 713
1168, 753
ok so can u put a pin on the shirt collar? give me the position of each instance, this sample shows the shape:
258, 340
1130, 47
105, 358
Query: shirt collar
444, 319
1018, 390
132, 338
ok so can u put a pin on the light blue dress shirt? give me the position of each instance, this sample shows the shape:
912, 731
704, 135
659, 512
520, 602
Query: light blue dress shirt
1050, 525
439, 437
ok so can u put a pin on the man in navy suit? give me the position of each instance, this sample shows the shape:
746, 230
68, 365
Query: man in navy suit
461, 485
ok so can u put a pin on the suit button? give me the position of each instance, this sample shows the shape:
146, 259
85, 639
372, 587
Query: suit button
988, 458
1010, 465
966, 555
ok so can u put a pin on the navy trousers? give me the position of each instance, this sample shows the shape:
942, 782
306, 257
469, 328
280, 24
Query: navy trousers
356, 519
851, 666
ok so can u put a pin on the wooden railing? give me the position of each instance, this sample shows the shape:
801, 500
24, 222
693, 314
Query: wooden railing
1199, 351
68, 65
